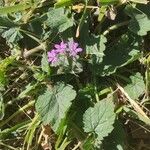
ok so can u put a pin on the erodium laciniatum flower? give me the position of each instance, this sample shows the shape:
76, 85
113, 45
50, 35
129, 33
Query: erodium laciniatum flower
69, 49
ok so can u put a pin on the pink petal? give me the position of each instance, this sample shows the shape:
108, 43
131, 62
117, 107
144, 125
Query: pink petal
79, 50
57, 46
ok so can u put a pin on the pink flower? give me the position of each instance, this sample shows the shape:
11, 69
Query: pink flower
60, 48
73, 48
52, 56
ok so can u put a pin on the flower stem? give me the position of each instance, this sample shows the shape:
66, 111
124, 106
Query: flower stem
41, 47
114, 27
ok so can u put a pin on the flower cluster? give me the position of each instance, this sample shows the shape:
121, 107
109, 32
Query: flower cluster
70, 49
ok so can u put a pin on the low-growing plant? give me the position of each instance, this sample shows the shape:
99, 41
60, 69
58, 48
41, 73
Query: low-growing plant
74, 74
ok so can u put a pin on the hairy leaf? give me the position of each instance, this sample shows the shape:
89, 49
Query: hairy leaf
139, 22
54, 104
57, 20
96, 47
100, 118
136, 87
117, 55
12, 35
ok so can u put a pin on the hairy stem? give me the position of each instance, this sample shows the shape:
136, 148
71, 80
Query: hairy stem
41, 47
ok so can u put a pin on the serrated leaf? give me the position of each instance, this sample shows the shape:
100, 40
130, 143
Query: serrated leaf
136, 87
57, 20
100, 118
12, 35
54, 104
122, 53
139, 22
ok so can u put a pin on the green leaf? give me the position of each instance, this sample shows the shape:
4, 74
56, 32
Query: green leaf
100, 118
136, 87
3, 68
15, 8
80, 105
57, 20
6, 22
45, 64
117, 55
96, 47
140, 20
12, 35
39, 75
54, 104
117, 139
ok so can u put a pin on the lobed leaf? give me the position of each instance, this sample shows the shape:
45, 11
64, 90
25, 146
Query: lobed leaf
117, 55
136, 87
100, 118
12, 35
57, 20
53, 105
140, 20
